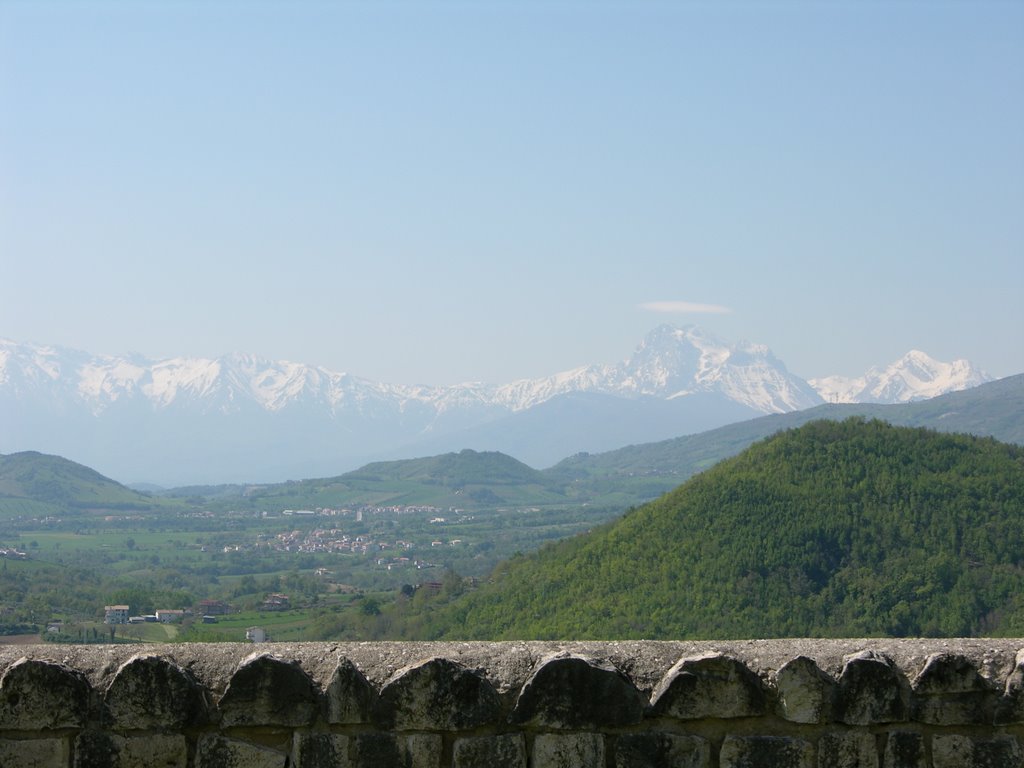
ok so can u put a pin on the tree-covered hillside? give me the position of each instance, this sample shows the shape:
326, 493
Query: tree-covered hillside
36, 484
832, 529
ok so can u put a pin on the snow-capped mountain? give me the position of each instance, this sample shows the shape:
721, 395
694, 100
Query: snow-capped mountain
676, 362
915, 376
669, 363
243, 418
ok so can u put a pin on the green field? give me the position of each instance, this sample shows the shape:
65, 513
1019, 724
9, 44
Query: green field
80, 562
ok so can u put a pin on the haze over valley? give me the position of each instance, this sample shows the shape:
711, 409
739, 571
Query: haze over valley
239, 418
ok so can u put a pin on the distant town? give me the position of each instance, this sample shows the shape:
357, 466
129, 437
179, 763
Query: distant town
317, 540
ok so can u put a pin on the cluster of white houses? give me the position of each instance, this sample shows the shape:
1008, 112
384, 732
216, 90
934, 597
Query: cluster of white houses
326, 540
360, 512
121, 614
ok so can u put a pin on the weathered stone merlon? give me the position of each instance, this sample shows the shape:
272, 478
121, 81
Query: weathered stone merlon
508, 665
772, 703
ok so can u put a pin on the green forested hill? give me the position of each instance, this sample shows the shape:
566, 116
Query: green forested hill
36, 484
833, 529
995, 409
464, 479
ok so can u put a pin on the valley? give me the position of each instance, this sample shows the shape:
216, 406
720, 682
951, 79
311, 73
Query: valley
60, 571
388, 551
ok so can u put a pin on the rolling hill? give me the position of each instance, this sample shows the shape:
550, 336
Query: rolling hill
848, 528
465, 479
35, 484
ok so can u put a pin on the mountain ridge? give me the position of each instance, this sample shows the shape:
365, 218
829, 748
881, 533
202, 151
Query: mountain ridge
669, 362
994, 409
240, 418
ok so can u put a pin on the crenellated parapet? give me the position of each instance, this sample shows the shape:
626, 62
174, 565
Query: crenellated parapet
744, 704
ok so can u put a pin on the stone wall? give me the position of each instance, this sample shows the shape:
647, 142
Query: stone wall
744, 704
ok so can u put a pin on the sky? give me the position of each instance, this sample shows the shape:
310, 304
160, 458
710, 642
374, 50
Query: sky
439, 192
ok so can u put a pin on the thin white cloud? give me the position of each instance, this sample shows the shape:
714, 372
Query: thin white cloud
685, 308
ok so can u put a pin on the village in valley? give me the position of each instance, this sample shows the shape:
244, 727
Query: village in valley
386, 553
230, 574
392, 554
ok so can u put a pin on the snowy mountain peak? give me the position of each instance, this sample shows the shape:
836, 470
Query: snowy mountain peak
915, 376
674, 362
920, 364
670, 359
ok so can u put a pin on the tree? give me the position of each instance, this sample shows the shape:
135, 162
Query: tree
370, 607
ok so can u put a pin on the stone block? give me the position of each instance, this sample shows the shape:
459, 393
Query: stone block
871, 690
950, 691
381, 750
437, 694
952, 751
97, 749
571, 750
571, 692
421, 750
375, 750
215, 751
41, 695
1010, 708
715, 686
35, 753
904, 749
505, 751
805, 692
154, 751
350, 697
847, 750
265, 690
661, 750
766, 752
149, 692
320, 750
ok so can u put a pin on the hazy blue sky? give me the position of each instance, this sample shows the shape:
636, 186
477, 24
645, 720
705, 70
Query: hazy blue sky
437, 192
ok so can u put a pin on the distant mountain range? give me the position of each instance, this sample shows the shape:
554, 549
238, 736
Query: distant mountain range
242, 418
36, 485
